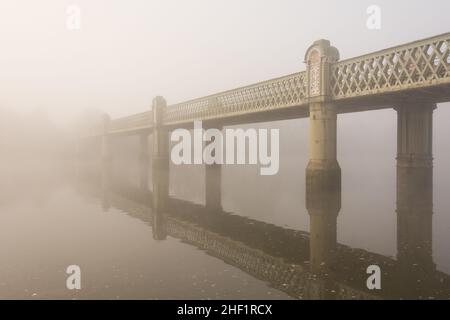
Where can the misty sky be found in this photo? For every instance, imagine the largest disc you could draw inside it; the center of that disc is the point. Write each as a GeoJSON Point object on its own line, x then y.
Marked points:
{"type": "Point", "coordinates": [126, 52]}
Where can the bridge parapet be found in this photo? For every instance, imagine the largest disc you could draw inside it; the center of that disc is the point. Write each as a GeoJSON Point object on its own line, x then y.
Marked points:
{"type": "Point", "coordinates": [287, 91]}
{"type": "Point", "coordinates": [420, 69]}
{"type": "Point", "coordinates": [418, 64]}
{"type": "Point", "coordinates": [134, 122]}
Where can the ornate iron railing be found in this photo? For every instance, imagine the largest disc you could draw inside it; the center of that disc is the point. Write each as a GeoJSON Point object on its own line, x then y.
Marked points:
{"type": "Point", "coordinates": [273, 94]}
{"type": "Point", "coordinates": [418, 64]}
{"type": "Point", "coordinates": [135, 122]}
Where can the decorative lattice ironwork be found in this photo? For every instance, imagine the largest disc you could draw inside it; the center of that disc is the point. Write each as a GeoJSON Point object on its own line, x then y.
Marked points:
{"type": "Point", "coordinates": [419, 64]}
{"type": "Point", "coordinates": [134, 122]}
{"type": "Point", "coordinates": [273, 94]}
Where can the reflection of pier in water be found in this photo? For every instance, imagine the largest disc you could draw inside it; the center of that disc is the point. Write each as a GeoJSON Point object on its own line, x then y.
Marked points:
{"type": "Point", "coordinates": [280, 256]}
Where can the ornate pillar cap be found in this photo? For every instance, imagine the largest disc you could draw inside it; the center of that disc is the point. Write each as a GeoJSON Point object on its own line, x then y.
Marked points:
{"type": "Point", "coordinates": [158, 106]}
{"type": "Point", "coordinates": [319, 58]}
{"type": "Point", "coordinates": [321, 48]}
{"type": "Point", "coordinates": [158, 101]}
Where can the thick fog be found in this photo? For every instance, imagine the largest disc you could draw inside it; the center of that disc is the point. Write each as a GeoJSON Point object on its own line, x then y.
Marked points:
{"type": "Point", "coordinates": [55, 83]}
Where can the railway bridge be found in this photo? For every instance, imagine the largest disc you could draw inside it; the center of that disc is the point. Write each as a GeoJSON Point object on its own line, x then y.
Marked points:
{"type": "Point", "coordinates": [411, 78]}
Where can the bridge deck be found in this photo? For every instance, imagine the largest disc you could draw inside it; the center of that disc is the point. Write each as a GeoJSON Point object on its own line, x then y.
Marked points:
{"type": "Point", "coordinates": [418, 70]}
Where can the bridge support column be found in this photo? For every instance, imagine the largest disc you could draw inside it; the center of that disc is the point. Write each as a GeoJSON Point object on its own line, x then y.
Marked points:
{"type": "Point", "coordinates": [160, 167]}
{"type": "Point", "coordinates": [106, 185]}
{"type": "Point", "coordinates": [415, 187]}
{"type": "Point", "coordinates": [323, 174]}
{"type": "Point", "coordinates": [106, 164]}
{"type": "Point", "coordinates": [213, 182]}
{"type": "Point", "coordinates": [143, 161]}
{"type": "Point", "coordinates": [159, 229]}
{"type": "Point", "coordinates": [323, 202]}
{"type": "Point", "coordinates": [106, 140]}
{"type": "Point", "coordinates": [323, 185]}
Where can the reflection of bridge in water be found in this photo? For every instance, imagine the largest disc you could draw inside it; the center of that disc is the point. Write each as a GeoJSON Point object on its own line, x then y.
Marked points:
{"type": "Point", "coordinates": [280, 256]}
{"type": "Point", "coordinates": [411, 78]}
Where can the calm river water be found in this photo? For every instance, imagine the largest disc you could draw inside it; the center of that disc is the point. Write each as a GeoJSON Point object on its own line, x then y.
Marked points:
{"type": "Point", "coordinates": [257, 247]}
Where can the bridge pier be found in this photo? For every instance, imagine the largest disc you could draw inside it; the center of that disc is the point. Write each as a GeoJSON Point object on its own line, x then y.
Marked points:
{"type": "Point", "coordinates": [323, 202]}
{"type": "Point", "coordinates": [323, 174]}
{"type": "Point", "coordinates": [323, 186]}
{"type": "Point", "coordinates": [159, 230]}
{"type": "Point", "coordinates": [322, 140]}
{"type": "Point", "coordinates": [106, 139]}
{"type": "Point", "coordinates": [106, 185]}
{"type": "Point", "coordinates": [213, 182]}
{"type": "Point", "coordinates": [160, 165]}
{"type": "Point", "coordinates": [213, 187]}
{"type": "Point", "coordinates": [106, 164]}
{"type": "Point", "coordinates": [143, 161]}
{"type": "Point", "coordinates": [415, 187]}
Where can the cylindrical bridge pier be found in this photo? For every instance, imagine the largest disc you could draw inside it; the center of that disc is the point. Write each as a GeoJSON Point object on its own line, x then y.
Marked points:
{"type": "Point", "coordinates": [415, 186]}
{"type": "Point", "coordinates": [323, 174]}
